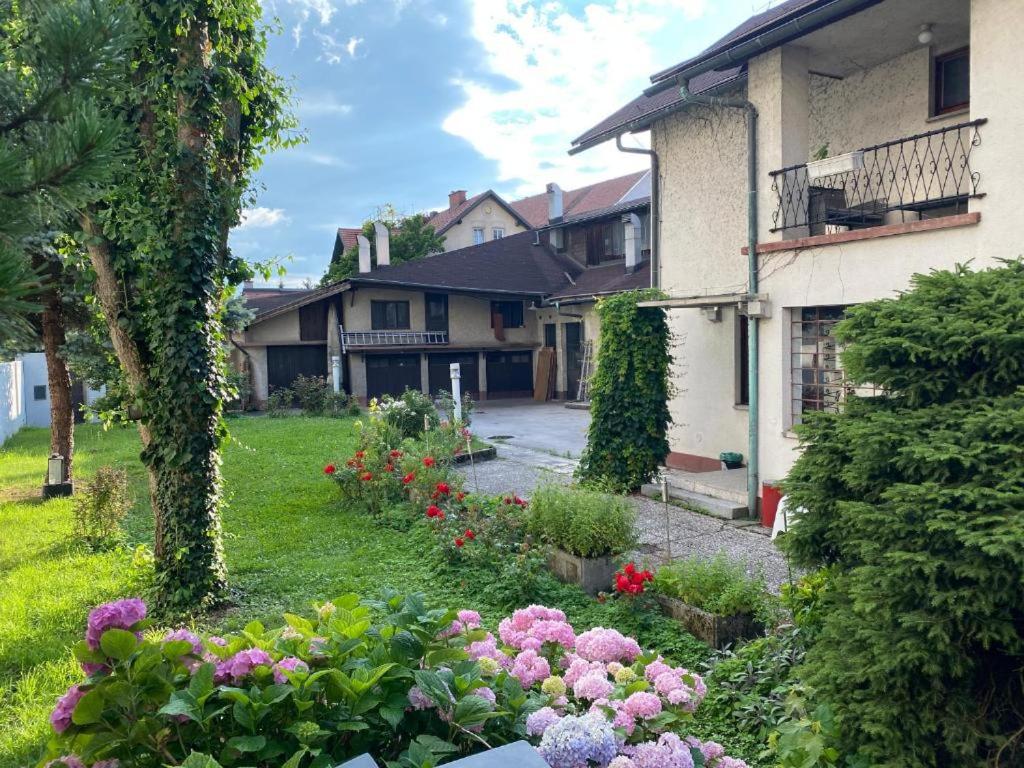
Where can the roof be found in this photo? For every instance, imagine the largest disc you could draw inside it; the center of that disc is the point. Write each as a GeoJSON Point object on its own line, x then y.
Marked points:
{"type": "Point", "coordinates": [264, 300]}
{"type": "Point", "coordinates": [599, 281]}
{"type": "Point", "coordinates": [512, 264]}
{"type": "Point", "coordinates": [578, 201]}
{"type": "Point", "coordinates": [446, 219]}
{"type": "Point", "coordinates": [346, 238]}
{"type": "Point", "coordinates": [624, 207]}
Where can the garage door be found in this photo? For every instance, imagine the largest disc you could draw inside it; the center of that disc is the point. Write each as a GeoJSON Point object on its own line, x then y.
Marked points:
{"type": "Point", "coordinates": [391, 374]}
{"type": "Point", "coordinates": [286, 362]}
{"type": "Point", "coordinates": [439, 367]}
{"type": "Point", "coordinates": [509, 374]}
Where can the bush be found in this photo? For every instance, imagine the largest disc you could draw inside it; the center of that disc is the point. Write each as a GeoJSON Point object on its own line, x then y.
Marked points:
{"type": "Point", "coordinates": [629, 394]}
{"type": "Point", "coordinates": [583, 522]}
{"type": "Point", "coordinates": [411, 686]}
{"type": "Point", "coordinates": [411, 413]}
{"type": "Point", "coordinates": [279, 402]}
{"type": "Point", "coordinates": [101, 506]}
{"type": "Point", "coordinates": [447, 403]}
{"type": "Point", "coordinates": [914, 498]}
{"type": "Point", "coordinates": [720, 586]}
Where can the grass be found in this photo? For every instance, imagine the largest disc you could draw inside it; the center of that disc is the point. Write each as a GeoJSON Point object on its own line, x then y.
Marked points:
{"type": "Point", "coordinates": [288, 542]}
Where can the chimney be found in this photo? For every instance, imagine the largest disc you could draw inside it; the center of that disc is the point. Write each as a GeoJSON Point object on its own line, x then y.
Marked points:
{"type": "Point", "coordinates": [634, 242]}
{"type": "Point", "coordinates": [555, 209]}
{"type": "Point", "coordinates": [364, 254]}
{"type": "Point", "coordinates": [383, 244]}
{"type": "Point", "coordinates": [456, 198]}
{"type": "Point", "coordinates": [247, 285]}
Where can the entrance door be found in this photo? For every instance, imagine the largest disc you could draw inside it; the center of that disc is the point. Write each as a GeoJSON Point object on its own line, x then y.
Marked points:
{"type": "Point", "coordinates": [287, 362]}
{"type": "Point", "coordinates": [439, 370]}
{"type": "Point", "coordinates": [509, 374]}
{"type": "Point", "coordinates": [550, 335]}
{"type": "Point", "coordinates": [391, 374]}
{"type": "Point", "coordinates": [573, 358]}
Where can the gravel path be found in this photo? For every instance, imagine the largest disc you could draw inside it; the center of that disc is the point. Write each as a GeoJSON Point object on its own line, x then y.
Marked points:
{"type": "Point", "coordinates": [684, 534]}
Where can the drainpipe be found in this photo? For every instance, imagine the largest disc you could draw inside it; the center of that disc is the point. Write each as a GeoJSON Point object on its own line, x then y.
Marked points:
{"type": "Point", "coordinates": [655, 264]}
{"type": "Point", "coordinates": [752, 322]}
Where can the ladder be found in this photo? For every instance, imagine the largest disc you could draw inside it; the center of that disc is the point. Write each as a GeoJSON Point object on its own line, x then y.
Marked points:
{"type": "Point", "coordinates": [586, 371]}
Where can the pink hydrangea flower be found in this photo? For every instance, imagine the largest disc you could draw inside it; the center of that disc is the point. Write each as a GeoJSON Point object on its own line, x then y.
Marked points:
{"type": "Point", "coordinates": [529, 668]}
{"type": "Point", "coordinates": [656, 668]}
{"type": "Point", "coordinates": [60, 718]}
{"type": "Point", "coordinates": [189, 637]}
{"type": "Point", "coordinates": [621, 762]}
{"type": "Point", "coordinates": [531, 644]}
{"type": "Point", "coordinates": [289, 664]}
{"type": "Point", "coordinates": [664, 753]}
{"type": "Point", "coordinates": [643, 705]}
{"type": "Point", "coordinates": [622, 718]}
{"type": "Point", "coordinates": [237, 667]}
{"type": "Point", "coordinates": [593, 685]}
{"type": "Point", "coordinates": [606, 645]}
{"type": "Point", "coordinates": [544, 624]}
{"type": "Point", "coordinates": [68, 761]}
{"type": "Point", "coordinates": [539, 721]}
{"type": "Point", "coordinates": [120, 614]}
{"type": "Point", "coordinates": [418, 699]}
{"type": "Point", "coordinates": [578, 667]}
{"type": "Point", "coordinates": [486, 694]}
{"type": "Point", "coordinates": [469, 619]}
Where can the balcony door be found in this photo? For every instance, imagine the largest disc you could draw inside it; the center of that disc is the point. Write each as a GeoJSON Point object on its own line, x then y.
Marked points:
{"type": "Point", "coordinates": [436, 306]}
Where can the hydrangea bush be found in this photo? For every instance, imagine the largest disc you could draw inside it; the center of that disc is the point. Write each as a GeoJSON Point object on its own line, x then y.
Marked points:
{"type": "Point", "coordinates": [414, 687]}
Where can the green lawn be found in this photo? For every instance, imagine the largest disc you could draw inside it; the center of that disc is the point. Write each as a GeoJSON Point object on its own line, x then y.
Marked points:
{"type": "Point", "coordinates": [288, 541]}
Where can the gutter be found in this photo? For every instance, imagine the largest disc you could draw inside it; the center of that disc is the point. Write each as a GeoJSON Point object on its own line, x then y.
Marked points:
{"type": "Point", "coordinates": [655, 219]}
{"type": "Point", "coordinates": [753, 340]}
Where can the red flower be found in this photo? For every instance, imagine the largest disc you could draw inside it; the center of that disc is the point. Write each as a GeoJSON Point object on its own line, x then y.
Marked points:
{"type": "Point", "coordinates": [395, 454]}
{"type": "Point", "coordinates": [360, 454]}
{"type": "Point", "coordinates": [350, 463]}
{"type": "Point", "coordinates": [508, 499]}
{"type": "Point", "coordinates": [630, 581]}
{"type": "Point", "coordinates": [408, 478]}
{"type": "Point", "coordinates": [428, 461]}
{"type": "Point", "coordinates": [460, 496]}
{"type": "Point", "coordinates": [440, 516]}
{"type": "Point", "coordinates": [389, 467]}
{"type": "Point", "coordinates": [329, 469]}
{"type": "Point", "coordinates": [443, 489]}
{"type": "Point", "coordinates": [459, 541]}
{"type": "Point", "coordinates": [520, 502]}
{"type": "Point", "coordinates": [469, 534]}
{"type": "Point", "coordinates": [434, 511]}
{"type": "Point", "coordinates": [629, 570]}
{"type": "Point", "coordinates": [366, 476]}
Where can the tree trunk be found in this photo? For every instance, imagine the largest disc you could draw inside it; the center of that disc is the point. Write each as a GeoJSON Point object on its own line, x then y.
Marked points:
{"type": "Point", "coordinates": [62, 415]}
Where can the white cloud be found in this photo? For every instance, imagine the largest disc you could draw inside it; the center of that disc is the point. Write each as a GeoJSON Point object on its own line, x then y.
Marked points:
{"type": "Point", "coordinates": [321, 104]}
{"type": "Point", "coordinates": [353, 43]}
{"type": "Point", "coordinates": [568, 72]}
{"type": "Point", "coordinates": [261, 218]}
{"type": "Point", "coordinates": [332, 50]}
{"type": "Point", "coordinates": [325, 159]}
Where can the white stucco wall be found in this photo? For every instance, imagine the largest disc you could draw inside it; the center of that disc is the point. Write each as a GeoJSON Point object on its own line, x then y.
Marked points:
{"type": "Point", "coordinates": [488, 214]}
{"type": "Point", "coordinates": [12, 403]}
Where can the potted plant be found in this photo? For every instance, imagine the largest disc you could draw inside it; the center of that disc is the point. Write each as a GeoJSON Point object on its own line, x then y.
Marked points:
{"type": "Point", "coordinates": [714, 600]}
{"type": "Point", "coordinates": [586, 530]}
{"type": "Point", "coordinates": [821, 165]}
{"type": "Point", "coordinates": [731, 459]}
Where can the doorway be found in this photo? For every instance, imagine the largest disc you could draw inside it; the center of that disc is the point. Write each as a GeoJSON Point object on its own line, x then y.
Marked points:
{"type": "Point", "coordinates": [573, 358]}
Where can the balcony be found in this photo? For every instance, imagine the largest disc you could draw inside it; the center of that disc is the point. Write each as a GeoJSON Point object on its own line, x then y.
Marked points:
{"type": "Point", "coordinates": [355, 339]}
{"type": "Point", "coordinates": [920, 177]}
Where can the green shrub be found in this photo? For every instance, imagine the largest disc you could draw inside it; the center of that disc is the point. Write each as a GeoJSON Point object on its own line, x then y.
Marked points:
{"type": "Point", "coordinates": [447, 403]}
{"type": "Point", "coordinates": [914, 498]}
{"type": "Point", "coordinates": [585, 522]}
{"type": "Point", "coordinates": [279, 402]}
{"type": "Point", "coordinates": [411, 414]}
{"type": "Point", "coordinates": [101, 506]}
{"type": "Point", "coordinates": [629, 394]}
{"type": "Point", "coordinates": [720, 585]}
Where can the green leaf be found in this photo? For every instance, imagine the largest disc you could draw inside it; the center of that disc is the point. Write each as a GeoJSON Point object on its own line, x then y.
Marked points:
{"type": "Point", "coordinates": [118, 643]}
{"type": "Point", "coordinates": [472, 710]}
{"type": "Point", "coordinates": [445, 655]}
{"type": "Point", "coordinates": [181, 703]}
{"type": "Point", "coordinates": [294, 760]}
{"type": "Point", "coordinates": [351, 725]}
{"type": "Point", "coordinates": [199, 760]}
{"type": "Point", "coordinates": [89, 708]}
{"type": "Point", "coordinates": [201, 684]}
{"type": "Point", "coordinates": [392, 715]}
{"type": "Point", "coordinates": [175, 649]}
{"type": "Point", "coordinates": [247, 743]}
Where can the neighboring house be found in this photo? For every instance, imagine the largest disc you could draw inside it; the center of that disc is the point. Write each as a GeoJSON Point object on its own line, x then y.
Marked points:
{"type": "Point", "coordinates": [475, 220]}
{"type": "Point", "coordinates": [25, 394]}
{"type": "Point", "coordinates": [924, 97]}
{"type": "Point", "coordinates": [489, 307]}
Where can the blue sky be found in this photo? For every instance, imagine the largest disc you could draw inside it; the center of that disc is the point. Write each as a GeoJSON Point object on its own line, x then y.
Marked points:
{"type": "Point", "coordinates": [404, 100]}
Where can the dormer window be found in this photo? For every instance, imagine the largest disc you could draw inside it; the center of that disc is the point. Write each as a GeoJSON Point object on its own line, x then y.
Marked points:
{"type": "Point", "coordinates": [478, 235]}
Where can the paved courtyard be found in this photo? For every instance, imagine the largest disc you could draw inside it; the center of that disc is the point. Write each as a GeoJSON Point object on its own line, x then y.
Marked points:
{"type": "Point", "coordinates": [542, 442]}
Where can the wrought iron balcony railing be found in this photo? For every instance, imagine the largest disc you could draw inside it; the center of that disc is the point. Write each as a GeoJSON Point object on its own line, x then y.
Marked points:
{"type": "Point", "coordinates": [923, 176]}
{"type": "Point", "coordinates": [391, 338]}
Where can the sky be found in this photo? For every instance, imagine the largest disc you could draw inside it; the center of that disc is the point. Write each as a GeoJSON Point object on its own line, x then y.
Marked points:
{"type": "Point", "coordinates": [402, 101]}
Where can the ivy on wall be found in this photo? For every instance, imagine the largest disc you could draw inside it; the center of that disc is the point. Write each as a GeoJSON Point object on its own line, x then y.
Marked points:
{"type": "Point", "coordinates": [629, 394]}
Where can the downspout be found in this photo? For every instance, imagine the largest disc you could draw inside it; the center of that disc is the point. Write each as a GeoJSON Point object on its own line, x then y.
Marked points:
{"type": "Point", "coordinates": [752, 282]}
{"type": "Point", "coordinates": [655, 264]}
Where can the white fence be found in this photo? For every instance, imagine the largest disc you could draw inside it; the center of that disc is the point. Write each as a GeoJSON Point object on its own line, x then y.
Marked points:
{"type": "Point", "coordinates": [12, 398]}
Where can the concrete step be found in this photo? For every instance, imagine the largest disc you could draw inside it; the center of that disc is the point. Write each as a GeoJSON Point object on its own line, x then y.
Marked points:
{"type": "Point", "coordinates": [727, 509]}
{"type": "Point", "coordinates": [719, 485]}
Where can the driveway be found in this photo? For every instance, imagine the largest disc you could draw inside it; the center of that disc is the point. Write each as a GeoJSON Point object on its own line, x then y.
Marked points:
{"type": "Point", "coordinates": [548, 428]}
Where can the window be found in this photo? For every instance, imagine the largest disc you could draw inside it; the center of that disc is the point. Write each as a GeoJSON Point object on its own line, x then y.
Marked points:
{"type": "Point", "coordinates": [817, 380]}
{"type": "Point", "coordinates": [478, 235]}
{"type": "Point", "coordinates": [313, 322]}
{"type": "Point", "coordinates": [511, 313]}
{"type": "Point", "coordinates": [39, 392]}
{"type": "Point", "coordinates": [389, 315]}
{"type": "Point", "coordinates": [497, 233]}
{"type": "Point", "coordinates": [951, 79]}
{"type": "Point", "coordinates": [437, 311]}
{"type": "Point", "coordinates": [742, 360]}
{"type": "Point", "coordinates": [614, 235]}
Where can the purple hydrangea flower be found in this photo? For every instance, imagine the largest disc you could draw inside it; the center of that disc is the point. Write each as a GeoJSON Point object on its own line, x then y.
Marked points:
{"type": "Point", "coordinates": [60, 718]}
{"type": "Point", "coordinates": [486, 694]}
{"type": "Point", "coordinates": [593, 685]}
{"type": "Point", "coordinates": [237, 667]}
{"type": "Point", "coordinates": [121, 614]}
{"type": "Point", "coordinates": [291, 664]}
{"type": "Point", "coordinates": [605, 645]}
{"type": "Point", "coordinates": [579, 742]}
{"type": "Point", "coordinates": [68, 761]}
{"type": "Point", "coordinates": [643, 705]}
{"type": "Point", "coordinates": [539, 721]}
{"type": "Point", "coordinates": [530, 668]}
{"type": "Point", "coordinates": [419, 699]}
{"type": "Point", "coordinates": [187, 636]}
{"type": "Point", "coordinates": [111, 763]}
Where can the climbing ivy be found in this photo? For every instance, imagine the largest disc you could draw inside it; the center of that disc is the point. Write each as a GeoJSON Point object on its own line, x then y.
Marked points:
{"type": "Point", "coordinates": [629, 394]}
{"type": "Point", "coordinates": [201, 109]}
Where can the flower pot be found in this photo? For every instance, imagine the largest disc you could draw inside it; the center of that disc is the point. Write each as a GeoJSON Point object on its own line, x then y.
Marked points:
{"type": "Point", "coordinates": [830, 166]}
{"type": "Point", "coordinates": [717, 631]}
{"type": "Point", "coordinates": [593, 574]}
{"type": "Point", "coordinates": [731, 459]}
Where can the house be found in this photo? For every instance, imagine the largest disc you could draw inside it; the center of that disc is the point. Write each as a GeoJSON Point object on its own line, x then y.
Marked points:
{"type": "Point", "coordinates": [475, 220]}
{"type": "Point", "coordinates": [489, 307]}
{"type": "Point", "coordinates": [884, 140]}
{"type": "Point", "coordinates": [25, 394]}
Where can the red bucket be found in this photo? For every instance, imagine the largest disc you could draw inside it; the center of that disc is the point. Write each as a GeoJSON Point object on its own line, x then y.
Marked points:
{"type": "Point", "coordinates": [770, 498]}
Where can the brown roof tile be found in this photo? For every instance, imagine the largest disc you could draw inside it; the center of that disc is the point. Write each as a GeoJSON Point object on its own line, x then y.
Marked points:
{"type": "Point", "coordinates": [599, 281]}
{"type": "Point", "coordinates": [575, 202]}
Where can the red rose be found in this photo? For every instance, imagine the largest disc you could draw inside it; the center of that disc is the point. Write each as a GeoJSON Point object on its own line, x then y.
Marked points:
{"type": "Point", "coordinates": [508, 499]}
{"type": "Point", "coordinates": [366, 476]}
{"type": "Point", "coordinates": [428, 461]}
{"type": "Point", "coordinates": [520, 502]}
{"type": "Point", "coordinates": [459, 541]}
{"type": "Point", "coordinates": [443, 488]}
{"type": "Point", "coordinates": [646, 576]}
{"type": "Point", "coordinates": [621, 583]}
{"type": "Point", "coordinates": [440, 516]}
{"type": "Point", "coordinates": [630, 569]}
{"type": "Point", "coordinates": [329, 469]}
{"type": "Point", "coordinates": [469, 534]}
{"type": "Point", "coordinates": [350, 463]}
{"type": "Point", "coordinates": [408, 478]}
{"type": "Point", "coordinates": [395, 454]}
{"type": "Point", "coordinates": [434, 511]}
{"type": "Point", "coordinates": [389, 467]}
{"type": "Point", "coordinates": [360, 454]}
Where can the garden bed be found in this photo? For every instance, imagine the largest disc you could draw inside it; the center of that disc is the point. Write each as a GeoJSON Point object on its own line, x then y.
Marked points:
{"type": "Point", "coordinates": [591, 574]}
{"type": "Point", "coordinates": [481, 453]}
{"type": "Point", "coordinates": [717, 631]}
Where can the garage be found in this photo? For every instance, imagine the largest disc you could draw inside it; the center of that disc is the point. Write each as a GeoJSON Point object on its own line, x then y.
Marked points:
{"type": "Point", "coordinates": [391, 374]}
{"type": "Point", "coordinates": [439, 367]}
{"type": "Point", "coordinates": [509, 374]}
{"type": "Point", "coordinates": [287, 362]}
